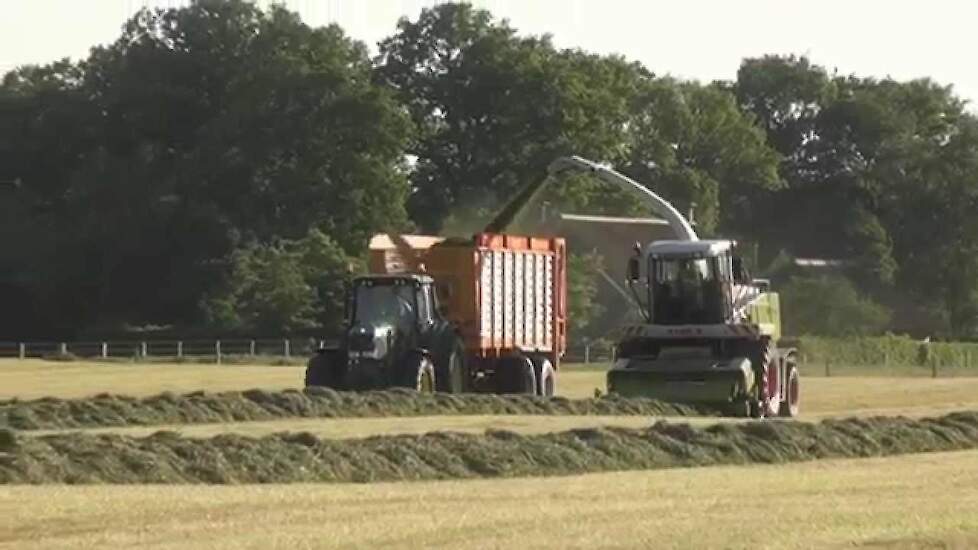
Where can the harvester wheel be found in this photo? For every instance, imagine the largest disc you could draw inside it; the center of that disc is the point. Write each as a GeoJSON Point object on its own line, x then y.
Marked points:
{"type": "Point", "coordinates": [791, 403]}
{"type": "Point", "coordinates": [546, 377]}
{"type": "Point", "coordinates": [740, 408]}
{"type": "Point", "coordinates": [766, 370]}
{"type": "Point", "coordinates": [515, 375]}
{"type": "Point", "coordinates": [323, 370]}
{"type": "Point", "coordinates": [451, 371]}
{"type": "Point", "coordinates": [419, 374]}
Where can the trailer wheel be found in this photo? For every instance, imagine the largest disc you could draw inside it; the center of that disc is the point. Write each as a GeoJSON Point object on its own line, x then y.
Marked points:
{"type": "Point", "coordinates": [419, 374]}
{"type": "Point", "coordinates": [323, 369]}
{"type": "Point", "coordinates": [546, 377]}
{"type": "Point", "coordinates": [451, 372]}
{"type": "Point", "coordinates": [791, 403]}
{"type": "Point", "coordinates": [515, 375]}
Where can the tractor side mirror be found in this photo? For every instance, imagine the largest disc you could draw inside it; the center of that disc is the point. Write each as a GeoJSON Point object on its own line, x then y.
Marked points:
{"type": "Point", "coordinates": [633, 269]}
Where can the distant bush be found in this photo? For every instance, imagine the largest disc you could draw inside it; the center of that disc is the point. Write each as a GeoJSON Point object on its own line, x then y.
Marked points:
{"type": "Point", "coordinates": [829, 306]}
{"type": "Point", "coordinates": [889, 349]}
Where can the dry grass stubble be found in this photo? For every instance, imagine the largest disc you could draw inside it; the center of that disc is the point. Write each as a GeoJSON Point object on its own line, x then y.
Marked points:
{"type": "Point", "coordinates": [916, 501]}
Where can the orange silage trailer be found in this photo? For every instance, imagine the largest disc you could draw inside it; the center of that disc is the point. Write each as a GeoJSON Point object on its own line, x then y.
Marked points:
{"type": "Point", "coordinates": [506, 294]}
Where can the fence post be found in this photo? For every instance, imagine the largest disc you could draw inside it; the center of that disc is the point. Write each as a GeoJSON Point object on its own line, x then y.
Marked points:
{"type": "Point", "coordinates": [287, 350]}
{"type": "Point", "coordinates": [22, 350]}
{"type": "Point", "coordinates": [886, 359]}
{"type": "Point", "coordinates": [105, 350]}
{"type": "Point", "coordinates": [587, 353]}
{"type": "Point", "coordinates": [251, 348]}
{"type": "Point", "coordinates": [63, 350]}
{"type": "Point", "coordinates": [217, 351]}
{"type": "Point", "coordinates": [933, 367]}
{"type": "Point", "coordinates": [180, 349]}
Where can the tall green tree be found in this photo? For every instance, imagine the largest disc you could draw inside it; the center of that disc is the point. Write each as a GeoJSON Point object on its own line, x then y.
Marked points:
{"type": "Point", "coordinates": [493, 108]}
{"type": "Point", "coordinates": [200, 130]}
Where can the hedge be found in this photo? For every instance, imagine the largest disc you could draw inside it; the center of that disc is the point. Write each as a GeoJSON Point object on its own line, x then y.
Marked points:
{"type": "Point", "coordinates": [885, 350]}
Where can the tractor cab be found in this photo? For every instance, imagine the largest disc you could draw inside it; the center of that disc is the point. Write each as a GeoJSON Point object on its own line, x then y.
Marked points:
{"type": "Point", "coordinates": [402, 301]}
{"type": "Point", "coordinates": [389, 315]}
{"type": "Point", "coordinates": [689, 282]}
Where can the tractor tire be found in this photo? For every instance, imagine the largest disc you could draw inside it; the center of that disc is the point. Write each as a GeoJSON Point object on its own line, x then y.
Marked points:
{"type": "Point", "coordinates": [546, 377]}
{"type": "Point", "coordinates": [418, 373]}
{"type": "Point", "coordinates": [516, 375]}
{"type": "Point", "coordinates": [450, 370]}
{"type": "Point", "coordinates": [791, 403]}
{"type": "Point", "coordinates": [324, 369]}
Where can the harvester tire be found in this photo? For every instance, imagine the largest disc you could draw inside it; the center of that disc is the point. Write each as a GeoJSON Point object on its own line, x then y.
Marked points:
{"type": "Point", "coordinates": [323, 370]}
{"type": "Point", "coordinates": [419, 374]}
{"type": "Point", "coordinates": [546, 377]}
{"type": "Point", "coordinates": [791, 401]}
{"type": "Point", "coordinates": [740, 408]}
{"type": "Point", "coordinates": [767, 398]}
{"type": "Point", "coordinates": [516, 375]}
{"type": "Point", "coordinates": [450, 371]}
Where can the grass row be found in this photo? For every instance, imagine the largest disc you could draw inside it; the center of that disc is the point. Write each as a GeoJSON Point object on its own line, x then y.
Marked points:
{"type": "Point", "coordinates": [107, 410]}
{"type": "Point", "coordinates": [165, 457]}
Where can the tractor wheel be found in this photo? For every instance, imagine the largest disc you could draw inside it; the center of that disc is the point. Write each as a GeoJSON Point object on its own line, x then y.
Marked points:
{"type": "Point", "coordinates": [515, 375]}
{"type": "Point", "coordinates": [451, 372]}
{"type": "Point", "coordinates": [419, 374]}
{"type": "Point", "coordinates": [546, 377]}
{"type": "Point", "coordinates": [323, 370]}
{"type": "Point", "coordinates": [791, 403]}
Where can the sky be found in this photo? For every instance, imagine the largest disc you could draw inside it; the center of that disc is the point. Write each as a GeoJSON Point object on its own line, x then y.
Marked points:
{"type": "Point", "coordinates": [694, 39]}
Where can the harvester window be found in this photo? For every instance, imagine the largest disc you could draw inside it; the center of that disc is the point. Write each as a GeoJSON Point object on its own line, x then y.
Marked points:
{"type": "Point", "coordinates": [685, 291]}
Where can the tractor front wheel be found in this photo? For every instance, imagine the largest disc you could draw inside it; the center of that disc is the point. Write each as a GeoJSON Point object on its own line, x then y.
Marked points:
{"type": "Point", "coordinates": [323, 369]}
{"type": "Point", "coordinates": [419, 374]}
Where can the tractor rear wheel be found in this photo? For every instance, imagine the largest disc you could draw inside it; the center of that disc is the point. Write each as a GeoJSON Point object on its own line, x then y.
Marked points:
{"type": "Point", "coordinates": [451, 373]}
{"type": "Point", "coordinates": [515, 375]}
{"type": "Point", "coordinates": [791, 401]}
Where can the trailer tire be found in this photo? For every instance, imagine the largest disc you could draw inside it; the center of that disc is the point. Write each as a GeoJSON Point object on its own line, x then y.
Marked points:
{"type": "Point", "coordinates": [324, 369]}
{"type": "Point", "coordinates": [546, 377]}
{"type": "Point", "coordinates": [791, 401]}
{"type": "Point", "coordinates": [418, 373]}
{"type": "Point", "coordinates": [516, 375]}
{"type": "Point", "coordinates": [451, 371]}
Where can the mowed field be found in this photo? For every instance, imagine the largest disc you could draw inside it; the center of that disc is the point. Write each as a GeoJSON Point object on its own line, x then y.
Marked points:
{"type": "Point", "coordinates": [850, 394]}
{"type": "Point", "coordinates": [911, 501]}
{"type": "Point", "coordinates": [914, 501]}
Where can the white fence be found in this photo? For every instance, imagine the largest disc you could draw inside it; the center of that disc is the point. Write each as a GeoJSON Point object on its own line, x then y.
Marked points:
{"type": "Point", "coordinates": [215, 350]}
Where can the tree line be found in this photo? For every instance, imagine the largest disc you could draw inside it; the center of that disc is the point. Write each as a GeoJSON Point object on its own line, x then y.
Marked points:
{"type": "Point", "coordinates": [223, 167]}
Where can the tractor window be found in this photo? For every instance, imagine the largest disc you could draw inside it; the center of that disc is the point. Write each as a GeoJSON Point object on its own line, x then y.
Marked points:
{"type": "Point", "coordinates": [385, 304]}
{"type": "Point", "coordinates": [424, 304]}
